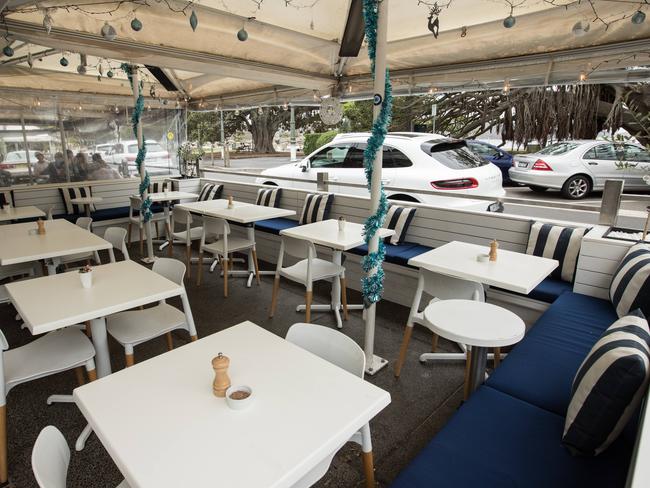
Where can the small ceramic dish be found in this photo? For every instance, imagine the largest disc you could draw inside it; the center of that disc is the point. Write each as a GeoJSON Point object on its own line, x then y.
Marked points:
{"type": "Point", "coordinates": [483, 258]}
{"type": "Point", "coordinates": [239, 397]}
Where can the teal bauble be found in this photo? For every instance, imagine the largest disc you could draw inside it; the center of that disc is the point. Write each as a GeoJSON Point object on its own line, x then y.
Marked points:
{"type": "Point", "coordinates": [509, 22]}
{"type": "Point", "coordinates": [63, 61]}
{"type": "Point", "coordinates": [194, 20]}
{"type": "Point", "coordinates": [8, 51]}
{"type": "Point", "coordinates": [638, 17]}
{"type": "Point", "coordinates": [109, 74]}
{"type": "Point", "coordinates": [136, 25]}
{"type": "Point", "coordinates": [242, 35]}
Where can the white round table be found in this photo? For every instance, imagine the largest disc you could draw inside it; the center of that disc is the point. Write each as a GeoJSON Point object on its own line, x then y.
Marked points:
{"type": "Point", "coordinates": [477, 324]}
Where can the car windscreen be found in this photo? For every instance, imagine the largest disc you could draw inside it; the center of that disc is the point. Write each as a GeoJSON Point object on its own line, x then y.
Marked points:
{"type": "Point", "coordinates": [151, 147]}
{"type": "Point", "coordinates": [452, 153]}
{"type": "Point", "coordinates": [558, 148]}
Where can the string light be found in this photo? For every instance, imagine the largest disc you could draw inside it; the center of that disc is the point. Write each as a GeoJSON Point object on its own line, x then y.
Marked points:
{"type": "Point", "coordinates": [108, 32]}
{"type": "Point", "coordinates": [582, 77]}
{"type": "Point", "coordinates": [506, 87]}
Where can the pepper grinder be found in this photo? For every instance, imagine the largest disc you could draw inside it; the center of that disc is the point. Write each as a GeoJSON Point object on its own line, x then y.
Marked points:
{"type": "Point", "coordinates": [41, 226]}
{"type": "Point", "coordinates": [494, 245]}
{"type": "Point", "coordinates": [221, 380]}
{"type": "Point", "coordinates": [230, 205]}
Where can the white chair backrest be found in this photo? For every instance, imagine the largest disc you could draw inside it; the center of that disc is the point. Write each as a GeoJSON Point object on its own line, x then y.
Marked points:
{"type": "Point", "coordinates": [330, 345]}
{"type": "Point", "coordinates": [172, 269]}
{"type": "Point", "coordinates": [84, 222]}
{"type": "Point", "coordinates": [135, 203]}
{"type": "Point", "coordinates": [181, 216]}
{"type": "Point", "coordinates": [447, 288]}
{"type": "Point", "coordinates": [298, 248]}
{"type": "Point", "coordinates": [117, 237]}
{"type": "Point", "coordinates": [215, 226]}
{"type": "Point", "coordinates": [50, 215]}
{"type": "Point", "coordinates": [50, 458]}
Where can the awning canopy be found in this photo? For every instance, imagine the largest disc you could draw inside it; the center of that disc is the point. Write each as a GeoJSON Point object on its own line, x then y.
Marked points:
{"type": "Point", "coordinates": [291, 54]}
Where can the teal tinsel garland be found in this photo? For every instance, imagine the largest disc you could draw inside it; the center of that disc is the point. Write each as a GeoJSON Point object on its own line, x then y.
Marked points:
{"type": "Point", "coordinates": [142, 152]}
{"type": "Point", "coordinates": [373, 286]}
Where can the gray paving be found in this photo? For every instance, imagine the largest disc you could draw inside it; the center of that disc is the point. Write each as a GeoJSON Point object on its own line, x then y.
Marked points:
{"type": "Point", "coordinates": [423, 398]}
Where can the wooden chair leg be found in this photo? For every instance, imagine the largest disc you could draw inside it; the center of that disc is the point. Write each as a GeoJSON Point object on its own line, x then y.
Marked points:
{"type": "Point", "coordinates": [3, 444]}
{"type": "Point", "coordinates": [129, 227]}
{"type": "Point", "coordinates": [434, 343]}
{"type": "Point", "coordinates": [224, 266]}
{"type": "Point", "coordinates": [468, 364]}
{"type": "Point", "coordinates": [130, 361]}
{"type": "Point", "coordinates": [402, 350]}
{"type": "Point", "coordinates": [308, 297]}
{"type": "Point", "coordinates": [170, 239]}
{"type": "Point", "coordinates": [87, 329]}
{"type": "Point", "coordinates": [141, 240]}
{"type": "Point", "coordinates": [193, 338]}
{"type": "Point", "coordinates": [200, 271]}
{"type": "Point", "coordinates": [497, 357]}
{"type": "Point", "coordinates": [92, 374]}
{"type": "Point", "coordinates": [170, 341]}
{"type": "Point", "coordinates": [274, 296]}
{"type": "Point", "coordinates": [369, 468]}
{"type": "Point", "coordinates": [344, 298]}
{"type": "Point", "coordinates": [257, 266]}
{"type": "Point", "coordinates": [188, 258]}
{"type": "Point", "coordinates": [81, 379]}
{"type": "Point", "coordinates": [157, 229]}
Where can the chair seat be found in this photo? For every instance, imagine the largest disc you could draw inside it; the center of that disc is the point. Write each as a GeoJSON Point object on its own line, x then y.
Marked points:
{"type": "Point", "coordinates": [547, 291]}
{"type": "Point", "coordinates": [60, 350]}
{"type": "Point", "coordinates": [321, 270]}
{"type": "Point", "coordinates": [10, 270]}
{"type": "Point", "coordinates": [396, 253]}
{"type": "Point", "coordinates": [136, 326]}
{"type": "Point", "coordinates": [195, 234]}
{"type": "Point", "coordinates": [234, 244]}
{"type": "Point", "coordinates": [110, 213]}
{"type": "Point", "coordinates": [155, 217]}
{"type": "Point", "coordinates": [274, 226]}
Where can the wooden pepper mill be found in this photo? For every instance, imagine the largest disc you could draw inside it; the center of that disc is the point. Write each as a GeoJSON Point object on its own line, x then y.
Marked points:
{"type": "Point", "coordinates": [221, 380]}
{"type": "Point", "coordinates": [494, 245]}
{"type": "Point", "coordinates": [230, 202]}
{"type": "Point", "coordinates": [41, 226]}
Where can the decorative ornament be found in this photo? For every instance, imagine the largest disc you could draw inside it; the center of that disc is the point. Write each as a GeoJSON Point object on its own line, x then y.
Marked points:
{"type": "Point", "coordinates": [64, 61]}
{"type": "Point", "coordinates": [109, 73]}
{"type": "Point", "coordinates": [638, 17]}
{"type": "Point", "coordinates": [463, 31]}
{"type": "Point", "coordinates": [136, 25]}
{"type": "Point", "coordinates": [81, 69]}
{"type": "Point", "coordinates": [194, 20]}
{"type": "Point", "coordinates": [580, 28]}
{"type": "Point", "coordinates": [47, 22]}
{"type": "Point", "coordinates": [331, 112]}
{"type": "Point", "coordinates": [434, 24]}
{"type": "Point", "coordinates": [8, 51]}
{"type": "Point", "coordinates": [30, 61]}
{"type": "Point", "coordinates": [108, 32]}
{"type": "Point", "coordinates": [509, 21]}
{"type": "Point", "coordinates": [242, 35]}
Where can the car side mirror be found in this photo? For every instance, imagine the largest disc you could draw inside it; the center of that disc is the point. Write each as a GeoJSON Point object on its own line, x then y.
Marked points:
{"type": "Point", "coordinates": [304, 165]}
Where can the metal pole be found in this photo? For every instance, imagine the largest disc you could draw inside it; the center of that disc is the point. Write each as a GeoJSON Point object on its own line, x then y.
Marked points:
{"type": "Point", "coordinates": [64, 149]}
{"type": "Point", "coordinates": [29, 163]}
{"type": "Point", "coordinates": [375, 363]}
{"type": "Point", "coordinates": [434, 112]}
{"type": "Point", "coordinates": [222, 138]}
{"type": "Point", "coordinates": [292, 134]}
{"type": "Point", "coordinates": [136, 90]}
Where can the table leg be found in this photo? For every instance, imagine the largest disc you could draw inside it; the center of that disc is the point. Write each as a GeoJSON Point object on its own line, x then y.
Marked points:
{"type": "Point", "coordinates": [478, 364]}
{"type": "Point", "coordinates": [336, 289]}
{"type": "Point", "coordinates": [100, 341]}
{"type": "Point", "coordinates": [188, 316]}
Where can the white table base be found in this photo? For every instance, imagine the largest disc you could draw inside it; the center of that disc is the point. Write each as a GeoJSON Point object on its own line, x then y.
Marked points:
{"type": "Point", "coordinates": [377, 364]}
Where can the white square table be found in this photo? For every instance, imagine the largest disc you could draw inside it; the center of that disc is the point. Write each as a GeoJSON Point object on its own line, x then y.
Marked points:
{"type": "Point", "coordinates": [326, 233]}
{"type": "Point", "coordinates": [164, 428]}
{"type": "Point", "coordinates": [21, 243]}
{"type": "Point", "coordinates": [57, 301]}
{"type": "Point", "coordinates": [241, 213]}
{"type": "Point", "coordinates": [17, 213]}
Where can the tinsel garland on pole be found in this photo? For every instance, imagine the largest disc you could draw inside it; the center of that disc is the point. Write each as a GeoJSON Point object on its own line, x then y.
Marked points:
{"type": "Point", "coordinates": [142, 148]}
{"type": "Point", "coordinates": [373, 283]}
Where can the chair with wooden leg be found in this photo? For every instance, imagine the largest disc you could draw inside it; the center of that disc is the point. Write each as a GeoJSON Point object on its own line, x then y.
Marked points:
{"type": "Point", "coordinates": [84, 223]}
{"type": "Point", "coordinates": [183, 218]}
{"type": "Point", "coordinates": [135, 327]}
{"type": "Point", "coordinates": [338, 349]}
{"type": "Point", "coordinates": [55, 352]}
{"type": "Point", "coordinates": [439, 287]}
{"type": "Point", "coordinates": [117, 237]}
{"type": "Point", "coordinates": [136, 217]}
{"type": "Point", "coordinates": [310, 268]}
{"type": "Point", "coordinates": [217, 240]}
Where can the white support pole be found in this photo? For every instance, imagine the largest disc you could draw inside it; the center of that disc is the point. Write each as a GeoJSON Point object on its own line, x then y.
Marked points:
{"type": "Point", "coordinates": [375, 363]}
{"type": "Point", "coordinates": [29, 163]}
{"type": "Point", "coordinates": [292, 134]}
{"type": "Point", "coordinates": [64, 149]}
{"type": "Point", "coordinates": [222, 138]}
{"type": "Point", "coordinates": [147, 226]}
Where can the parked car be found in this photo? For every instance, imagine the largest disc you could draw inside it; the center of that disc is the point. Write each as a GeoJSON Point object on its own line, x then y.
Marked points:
{"type": "Point", "coordinates": [103, 150]}
{"type": "Point", "coordinates": [157, 161]}
{"type": "Point", "coordinates": [500, 158]}
{"type": "Point", "coordinates": [410, 160]}
{"type": "Point", "coordinates": [576, 168]}
{"type": "Point", "coordinates": [14, 168]}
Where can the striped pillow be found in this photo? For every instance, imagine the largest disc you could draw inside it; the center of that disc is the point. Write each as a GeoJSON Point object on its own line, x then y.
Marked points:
{"type": "Point", "coordinates": [72, 192]}
{"type": "Point", "coordinates": [609, 386]}
{"type": "Point", "coordinates": [559, 243]}
{"type": "Point", "coordinates": [159, 187]}
{"type": "Point", "coordinates": [6, 198]}
{"type": "Point", "coordinates": [316, 207]}
{"type": "Point", "coordinates": [269, 197]}
{"type": "Point", "coordinates": [398, 219]}
{"type": "Point", "coordinates": [210, 191]}
{"type": "Point", "coordinates": [630, 288]}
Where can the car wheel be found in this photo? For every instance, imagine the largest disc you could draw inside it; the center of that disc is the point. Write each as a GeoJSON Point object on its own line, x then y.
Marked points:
{"type": "Point", "coordinates": [576, 187]}
{"type": "Point", "coordinates": [538, 189]}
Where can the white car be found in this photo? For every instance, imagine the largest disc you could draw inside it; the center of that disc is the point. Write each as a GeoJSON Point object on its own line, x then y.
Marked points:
{"type": "Point", "coordinates": [157, 160]}
{"type": "Point", "coordinates": [103, 150]}
{"type": "Point", "coordinates": [579, 167]}
{"type": "Point", "coordinates": [410, 160]}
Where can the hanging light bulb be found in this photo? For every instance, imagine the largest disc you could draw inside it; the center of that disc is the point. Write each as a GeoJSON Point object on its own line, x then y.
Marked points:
{"type": "Point", "coordinates": [506, 87]}
{"type": "Point", "coordinates": [285, 106]}
{"type": "Point", "coordinates": [63, 61]}
{"type": "Point", "coordinates": [194, 20]}
{"type": "Point", "coordinates": [108, 32]}
{"type": "Point", "coordinates": [80, 107]}
{"type": "Point", "coordinates": [260, 110]}
{"type": "Point", "coordinates": [136, 24]}
{"type": "Point", "coordinates": [638, 17]}
{"type": "Point", "coordinates": [580, 28]}
{"type": "Point", "coordinates": [38, 102]}
{"type": "Point", "coordinates": [582, 77]}
{"type": "Point", "coordinates": [242, 35]}
{"type": "Point", "coordinates": [117, 109]}
{"type": "Point", "coordinates": [237, 111]}
{"type": "Point", "coordinates": [47, 21]}
{"type": "Point", "coordinates": [110, 73]}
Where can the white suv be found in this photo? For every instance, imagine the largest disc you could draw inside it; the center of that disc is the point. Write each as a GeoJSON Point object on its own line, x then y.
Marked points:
{"type": "Point", "coordinates": [410, 160]}
{"type": "Point", "coordinates": [157, 160]}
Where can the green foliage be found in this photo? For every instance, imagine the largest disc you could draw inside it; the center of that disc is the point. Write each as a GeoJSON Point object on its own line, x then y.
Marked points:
{"type": "Point", "coordinates": [317, 139]}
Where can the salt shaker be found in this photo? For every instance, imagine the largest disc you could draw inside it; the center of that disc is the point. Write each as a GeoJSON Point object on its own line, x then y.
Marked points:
{"type": "Point", "coordinates": [41, 226]}
{"type": "Point", "coordinates": [221, 380]}
{"type": "Point", "coordinates": [230, 205]}
{"type": "Point", "coordinates": [494, 245]}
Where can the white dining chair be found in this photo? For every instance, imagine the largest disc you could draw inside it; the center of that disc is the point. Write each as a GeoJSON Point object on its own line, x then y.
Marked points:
{"type": "Point", "coordinates": [117, 237]}
{"type": "Point", "coordinates": [217, 240]}
{"type": "Point", "coordinates": [182, 218]}
{"type": "Point", "coordinates": [138, 326]}
{"type": "Point", "coordinates": [308, 269]}
{"type": "Point", "coordinates": [340, 350]}
{"type": "Point", "coordinates": [137, 218]}
{"type": "Point", "coordinates": [51, 459]}
{"type": "Point", "coordinates": [50, 213]}
{"type": "Point", "coordinates": [55, 352]}
{"type": "Point", "coordinates": [84, 223]}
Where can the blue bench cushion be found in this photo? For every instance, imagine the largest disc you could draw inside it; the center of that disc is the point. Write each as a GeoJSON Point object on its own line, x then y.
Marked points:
{"type": "Point", "coordinates": [274, 226]}
{"type": "Point", "coordinates": [498, 440]}
{"type": "Point", "coordinates": [396, 253]}
{"type": "Point", "coordinates": [541, 368]}
{"type": "Point", "coordinates": [110, 213]}
{"type": "Point", "coordinates": [547, 291]}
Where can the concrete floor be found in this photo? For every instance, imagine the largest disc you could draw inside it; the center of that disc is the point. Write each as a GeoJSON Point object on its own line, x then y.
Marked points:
{"type": "Point", "coordinates": [423, 398]}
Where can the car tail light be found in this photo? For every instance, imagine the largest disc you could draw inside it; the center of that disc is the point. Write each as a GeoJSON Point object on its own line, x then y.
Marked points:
{"type": "Point", "coordinates": [540, 165]}
{"type": "Point", "coordinates": [131, 158]}
{"type": "Point", "coordinates": [457, 184]}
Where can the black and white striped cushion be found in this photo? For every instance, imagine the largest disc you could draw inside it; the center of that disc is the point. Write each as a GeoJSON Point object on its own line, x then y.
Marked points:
{"type": "Point", "coordinates": [6, 198]}
{"type": "Point", "coordinates": [72, 192]}
{"type": "Point", "coordinates": [210, 191]}
{"type": "Point", "coordinates": [316, 207]}
{"type": "Point", "coordinates": [559, 243]}
{"type": "Point", "coordinates": [269, 197]}
{"type": "Point", "coordinates": [398, 219]}
{"type": "Point", "coordinates": [608, 386]}
{"type": "Point", "coordinates": [159, 187]}
{"type": "Point", "coordinates": [630, 288]}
